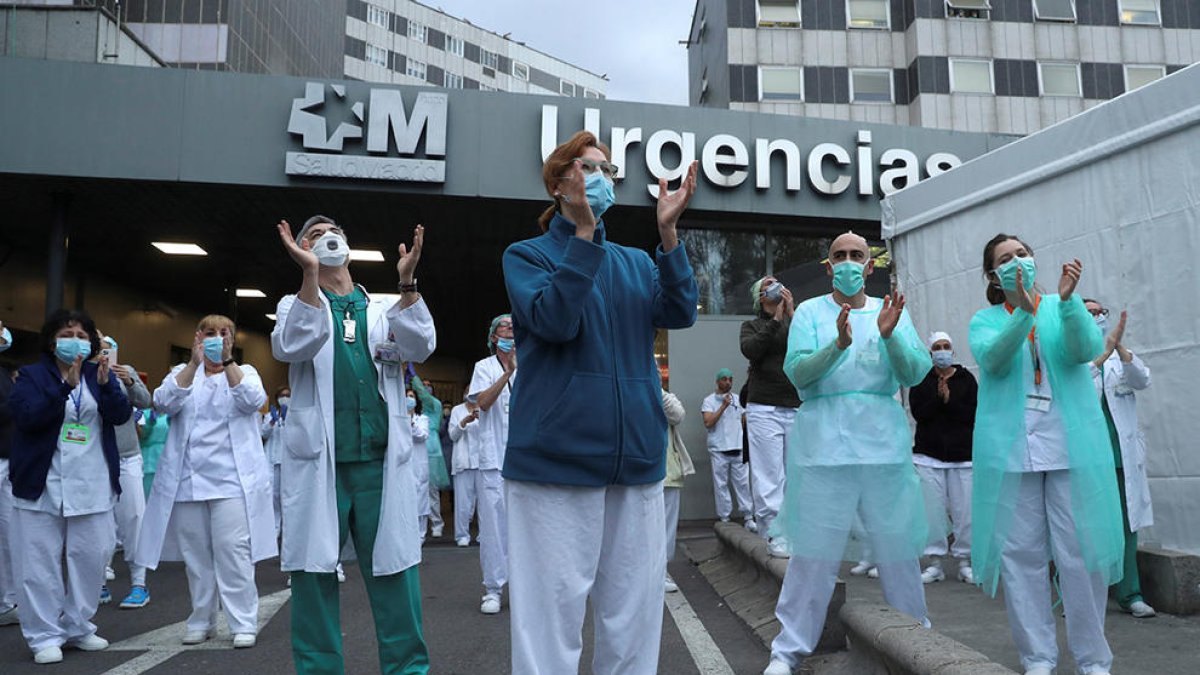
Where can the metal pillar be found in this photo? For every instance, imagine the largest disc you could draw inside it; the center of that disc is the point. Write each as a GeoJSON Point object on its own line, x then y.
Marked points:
{"type": "Point", "coordinates": [56, 260]}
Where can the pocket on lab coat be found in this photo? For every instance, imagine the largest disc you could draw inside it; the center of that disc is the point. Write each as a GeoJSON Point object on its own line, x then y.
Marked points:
{"type": "Point", "coordinates": [304, 433]}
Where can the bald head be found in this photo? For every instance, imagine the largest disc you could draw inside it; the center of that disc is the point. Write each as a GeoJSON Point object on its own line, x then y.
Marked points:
{"type": "Point", "coordinates": [846, 243]}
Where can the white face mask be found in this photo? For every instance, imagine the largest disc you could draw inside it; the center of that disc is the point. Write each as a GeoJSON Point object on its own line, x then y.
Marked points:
{"type": "Point", "coordinates": [943, 358]}
{"type": "Point", "coordinates": [331, 250]}
{"type": "Point", "coordinates": [285, 400]}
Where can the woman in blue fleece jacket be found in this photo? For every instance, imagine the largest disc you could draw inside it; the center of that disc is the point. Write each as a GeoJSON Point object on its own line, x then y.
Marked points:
{"type": "Point", "coordinates": [585, 463]}
{"type": "Point", "coordinates": [65, 485]}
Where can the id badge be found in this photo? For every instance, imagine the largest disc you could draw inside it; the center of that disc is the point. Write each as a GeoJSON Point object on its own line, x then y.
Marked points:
{"type": "Point", "coordinates": [1037, 402]}
{"type": "Point", "coordinates": [387, 353]}
{"type": "Point", "coordinates": [349, 328]}
{"type": "Point", "coordinates": [75, 433]}
{"type": "Point", "coordinates": [869, 354]}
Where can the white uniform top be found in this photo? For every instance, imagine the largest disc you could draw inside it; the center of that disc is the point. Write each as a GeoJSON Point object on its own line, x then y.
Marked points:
{"type": "Point", "coordinates": [467, 441]}
{"type": "Point", "coordinates": [209, 470]}
{"type": "Point", "coordinates": [77, 483]}
{"type": "Point", "coordinates": [1045, 432]}
{"type": "Point", "coordinates": [273, 442]}
{"type": "Point", "coordinates": [494, 421]}
{"type": "Point", "coordinates": [726, 434]}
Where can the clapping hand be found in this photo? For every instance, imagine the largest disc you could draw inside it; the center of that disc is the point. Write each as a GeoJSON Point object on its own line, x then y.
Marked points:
{"type": "Point", "coordinates": [1070, 278]}
{"type": "Point", "coordinates": [889, 315]}
{"type": "Point", "coordinates": [306, 259]}
{"type": "Point", "coordinates": [409, 257]}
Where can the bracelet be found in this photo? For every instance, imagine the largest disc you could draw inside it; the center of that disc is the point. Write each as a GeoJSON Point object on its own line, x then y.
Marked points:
{"type": "Point", "coordinates": [407, 288]}
{"type": "Point", "coordinates": [227, 362]}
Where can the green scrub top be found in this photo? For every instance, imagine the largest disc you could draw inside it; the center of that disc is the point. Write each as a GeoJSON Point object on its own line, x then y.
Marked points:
{"type": "Point", "coordinates": [360, 424]}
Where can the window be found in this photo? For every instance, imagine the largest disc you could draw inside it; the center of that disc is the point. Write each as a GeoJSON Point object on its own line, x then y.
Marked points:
{"type": "Point", "coordinates": [520, 71]}
{"type": "Point", "coordinates": [867, 14]}
{"type": "Point", "coordinates": [590, 93]}
{"type": "Point", "coordinates": [1054, 10]}
{"type": "Point", "coordinates": [778, 13]}
{"type": "Point", "coordinates": [377, 55]}
{"type": "Point", "coordinates": [489, 59]}
{"type": "Point", "coordinates": [378, 16]}
{"type": "Point", "coordinates": [1139, 12]}
{"type": "Point", "coordinates": [1136, 76]}
{"type": "Point", "coordinates": [780, 84]}
{"type": "Point", "coordinates": [566, 88]}
{"type": "Point", "coordinates": [452, 81]}
{"type": "Point", "coordinates": [418, 32]}
{"type": "Point", "coordinates": [968, 9]}
{"type": "Point", "coordinates": [970, 76]}
{"type": "Point", "coordinates": [1060, 79]}
{"type": "Point", "coordinates": [486, 87]}
{"type": "Point", "coordinates": [415, 69]}
{"type": "Point", "coordinates": [454, 45]}
{"type": "Point", "coordinates": [870, 86]}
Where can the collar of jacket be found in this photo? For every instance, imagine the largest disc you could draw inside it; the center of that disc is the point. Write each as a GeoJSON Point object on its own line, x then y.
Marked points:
{"type": "Point", "coordinates": [562, 230]}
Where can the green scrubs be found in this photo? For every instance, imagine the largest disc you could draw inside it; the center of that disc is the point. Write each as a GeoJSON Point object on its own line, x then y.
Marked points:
{"type": "Point", "coordinates": [360, 443]}
{"type": "Point", "coordinates": [1129, 589]}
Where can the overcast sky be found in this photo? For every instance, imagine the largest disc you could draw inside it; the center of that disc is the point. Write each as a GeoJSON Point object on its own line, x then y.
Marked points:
{"type": "Point", "coordinates": [636, 42]}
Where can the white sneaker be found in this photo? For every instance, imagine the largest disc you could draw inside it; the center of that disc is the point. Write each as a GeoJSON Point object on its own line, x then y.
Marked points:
{"type": "Point", "coordinates": [860, 569]}
{"type": "Point", "coordinates": [88, 643]}
{"type": "Point", "coordinates": [437, 532]}
{"type": "Point", "coordinates": [48, 655]}
{"type": "Point", "coordinates": [751, 525]}
{"type": "Point", "coordinates": [725, 519]}
{"type": "Point", "coordinates": [109, 574]}
{"type": "Point", "coordinates": [777, 667]}
{"type": "Point", "coordinates": [10, 618]}
{"type": "Point", "coordinates": [873, 573]}
{"type": "Point", "coordinates": [1039, 671]}
{"type": "Point", "coordinates": [463, 542]}
{"type": "Point", "coordinates": [669, 585]}
{"type": "Point", "coordinates": [779, 548]}
{"type": "Point", "coordinates": [244, 640]}
{"type": "Point", "coordinates": [966, 574]}
{"type": "Point", "coordinates": [490, 604]}
{"type": "Point", "coordinates": [1140, 610]}
{"type": "Point", "coordinates": [195, 637]}
{"type": "Point", "coordinates": [341, 572]}
{"type": "Point", "coordinates": [931, 574]}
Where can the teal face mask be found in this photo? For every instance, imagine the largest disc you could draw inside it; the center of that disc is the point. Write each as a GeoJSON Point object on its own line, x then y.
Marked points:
{"type": "Point", "coordinates": [68, 349]}
{"type": "Point", "coordinates": [848, 278]}
{"type": "Point", "coordinates": [214, 348]}
{"type": "Point", "coordinates": [1008, 273]}
{"type": "Point", "coordinates": [504, 344]}
{"type": "Point", "coordinates": [599, 193]}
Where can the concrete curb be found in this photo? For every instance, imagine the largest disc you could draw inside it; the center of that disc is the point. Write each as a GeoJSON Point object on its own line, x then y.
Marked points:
{"type": "Point", "coordinates": [1170, 580]}
{"type": "Point", "coordinates": [884, 640]}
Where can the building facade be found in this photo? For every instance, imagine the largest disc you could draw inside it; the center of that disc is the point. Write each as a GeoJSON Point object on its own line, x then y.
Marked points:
{"type": "Point", "coordinates": [1003, 66]}
{"type": "Point", "coordinates": [406, 42]}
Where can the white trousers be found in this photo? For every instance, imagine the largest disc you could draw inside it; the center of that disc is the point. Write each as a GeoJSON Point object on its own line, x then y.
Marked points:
{"type": "Point", "coordinates": [8, 582]}
{"type": "Point", "coordinates": [952, 490]}
{"type": "Point", "coordinates": [128, 514]}
{"type": "Point", "coordinates": [214, 538]}
{"type": "Point", "coordinates": [727, 469]}
{"type": "Point", "coordinates": [464, 502]}
{"type": "Point", "coordinates": [767, 431]}
{"type": "Point", "coordinates": [435, 508]}
{"type": "Point", "coordinates": [51, 613]}
{"type": "Point", "coordinates": [671, 513]}
{"type": "Point", "coordinates": [567, 544]}
{"type": "Point", "coordinates": [804, 601]}
{"type": "Point", "coordinates": [1042, 524]}
{"type": "Point", "coordinates": [493, 530]}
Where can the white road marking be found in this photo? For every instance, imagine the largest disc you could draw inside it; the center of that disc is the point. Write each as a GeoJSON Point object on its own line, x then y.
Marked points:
{"type": "Point", "coordinates": [705, 653]}
{"type": "Point", "coordinates": [163, 643]}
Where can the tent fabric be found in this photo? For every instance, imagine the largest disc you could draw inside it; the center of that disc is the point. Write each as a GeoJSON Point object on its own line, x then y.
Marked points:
{"type": "Point", "coordinates": [1118, 187]}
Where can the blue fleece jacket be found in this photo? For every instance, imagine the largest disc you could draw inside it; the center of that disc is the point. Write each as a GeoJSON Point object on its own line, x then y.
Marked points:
{"type": "Point", "coordinates": [38, 406]}
{"type": "Point", "coordinates": [587, 408]}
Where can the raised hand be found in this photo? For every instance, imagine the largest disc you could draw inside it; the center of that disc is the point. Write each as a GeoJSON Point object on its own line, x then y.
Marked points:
{"type": "Point", "coordinates": [306, 259]}
{"type": "Point", "coordinates": [73, 372]}
{"type": "Point", "coordinates": [672, 205]}
{"type": "Point", "coordinates": [889, 315]}
{"type": "Point", "coordinates": [227, 350]}
{"type": "Point", "coordinates": [407, 266]}
{"type": "Point", "coordinates": [1024, 297]}
{"type": "Point", "coordinates": [102, 373]}
{"type": "Point", "coordinates": [197, 349]}
{"type": "Point", "coordinates": [1114, 337]}
{"type": "Point", "coordinates": [845, 337]}
{"type": "Point", "coordinates": [572, 199]}
{"type": "Point", "coordinates": [1070, 278]}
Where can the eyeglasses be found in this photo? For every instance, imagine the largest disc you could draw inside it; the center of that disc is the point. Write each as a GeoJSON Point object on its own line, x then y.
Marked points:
{"type": "Point", "coordinates": [1098, 312]}
{"type": "Point", "coordinates": [590, 165]}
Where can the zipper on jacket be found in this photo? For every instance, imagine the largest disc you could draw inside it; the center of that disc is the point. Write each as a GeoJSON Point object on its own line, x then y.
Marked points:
{"type": "Point", "coordinates": [612, 350]}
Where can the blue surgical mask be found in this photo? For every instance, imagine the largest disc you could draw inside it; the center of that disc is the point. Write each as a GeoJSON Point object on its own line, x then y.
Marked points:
{"type": "Point", "coordinates": [773, 292]}
{"type": "Point", "coordinates": [67, 349]}
{"type": "Point", "coordinates": [943, 358]}
{"type": "Point", "coordinates": [412, 404]}
{"type": "Point", "coordinates": [504, 344]}
{"type": "Point", "coordinates": [599, 192]}
{"type": "Point", "coordinates": [848, 278]}
{"type": "Point", "coordinates": [214, 348]}
{"type": "Point", "coordinates": [7, 340]}
{"type": "Point", "coordinates": [1102, 323]}
{"type": "Point", "coordinates": [1008, 273]}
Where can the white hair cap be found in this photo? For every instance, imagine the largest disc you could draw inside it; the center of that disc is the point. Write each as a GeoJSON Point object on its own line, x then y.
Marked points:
{"type": "Point", "coordinates": [936, 336]}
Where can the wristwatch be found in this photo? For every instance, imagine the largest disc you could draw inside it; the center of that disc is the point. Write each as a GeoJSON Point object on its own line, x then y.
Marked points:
{"type": "Point", "coordinates": [407, 288]}
{"type": "Point", "coordinates": [228, 361]}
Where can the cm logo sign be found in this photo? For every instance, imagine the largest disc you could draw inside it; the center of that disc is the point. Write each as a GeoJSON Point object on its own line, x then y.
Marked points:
{"type": "Point", "coordinates": [385, 120]}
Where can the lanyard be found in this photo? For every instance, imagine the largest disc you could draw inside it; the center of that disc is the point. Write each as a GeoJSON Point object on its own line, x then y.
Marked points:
{"type": "Point", "coordinates": [509, 382]}
{"type": "Point", "coordinates": [1033, 350]}
{"type": "Point", "coordinates": [77, 400]}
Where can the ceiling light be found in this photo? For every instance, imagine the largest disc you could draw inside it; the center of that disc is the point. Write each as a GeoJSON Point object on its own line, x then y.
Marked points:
{"type": "Point", "coordinates": [271, 317]}
{"type": "Point", "coordinates": [177, 248]}
{"type": "Point", "coordinates": [363, 255]}
{"type": "Point", "coordinates": [250, 293]}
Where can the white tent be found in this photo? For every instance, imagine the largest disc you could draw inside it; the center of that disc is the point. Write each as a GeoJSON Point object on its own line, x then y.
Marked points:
{"type": "Point", "coordinates": [1118, 187]}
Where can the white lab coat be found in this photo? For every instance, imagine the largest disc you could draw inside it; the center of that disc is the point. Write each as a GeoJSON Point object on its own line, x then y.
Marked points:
{"type": "Point", "coordinates": [467, 441]}
{"type": "Point", "coordinates": [157, 540]}
{"type": "Point", "coordinates": [303, 338]}
{"type": "Point", "coordinates": [1121, 380]}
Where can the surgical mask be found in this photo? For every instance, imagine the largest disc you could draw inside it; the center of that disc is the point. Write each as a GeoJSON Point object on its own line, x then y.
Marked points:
{"type": "Point", "coordinates": [1008, 273]}
{"type": "Point", "coordinates": [284, 401]}
{"type": "Point", "coordinates": [599, 192]}
{"type": "Point", "coordinates": [214, 348]}
{"type": "Point", "coordinates": [331, 250]}
{"type": "Point", "coordinates": [68, 349]}
{"type": "Point", "coordinates": [7, 336]}
{"type": "Point", "coordinates": [412, 404]}
{"type": "Point", "coordinates": [943, 358]}
{"type": "Point", "coordinates": [504, 344]}
{"type": "Point", "coordinates": [774, 292]}
{"type": "Point", "coordinates": [848, 278]}
{"type": "Point", "coordinates": [1102, 323]}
